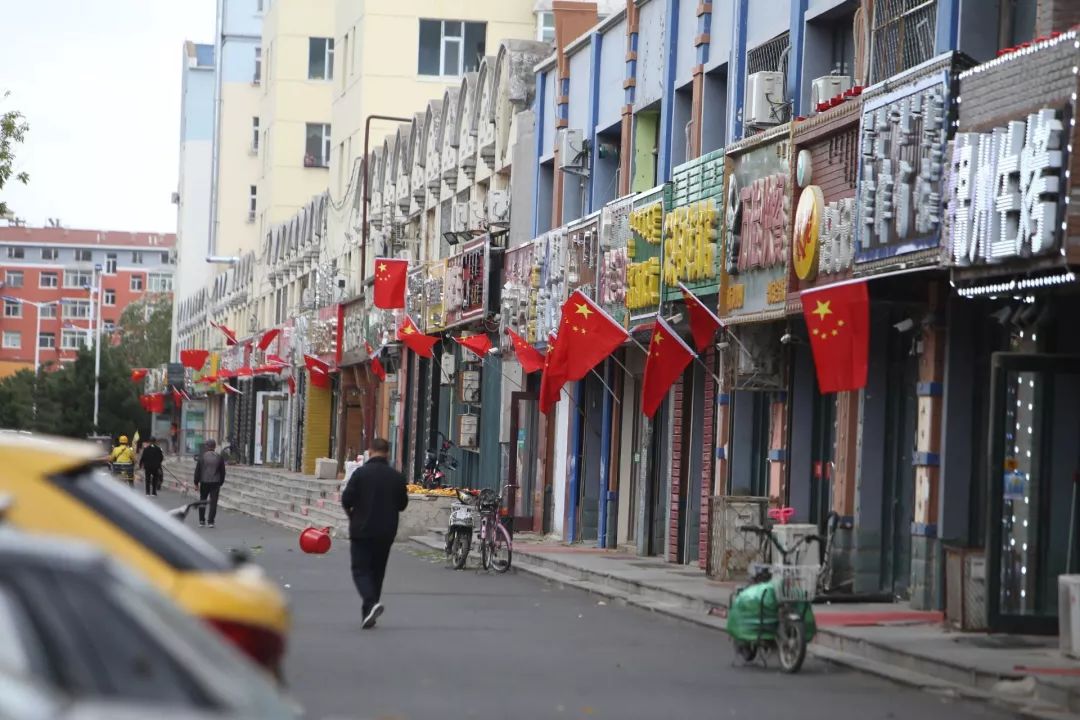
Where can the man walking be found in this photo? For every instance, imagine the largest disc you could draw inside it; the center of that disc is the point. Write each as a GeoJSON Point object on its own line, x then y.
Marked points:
{"type": "Point", "coordinates": [209, 477]}
{"type": "Point", "coordinates": [372, 500]}
{"type": "Point", "coordinates": [151, 461]}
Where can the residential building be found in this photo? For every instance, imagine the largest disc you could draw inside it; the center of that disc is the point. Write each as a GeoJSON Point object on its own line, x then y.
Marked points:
{"type": "Point", "coordinates": [54, 272]}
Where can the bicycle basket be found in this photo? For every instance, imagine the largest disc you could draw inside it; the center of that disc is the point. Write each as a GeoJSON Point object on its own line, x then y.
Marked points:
{"type": "Point", "coordinates": [489, 500]}
{"type": "Point", "coordinates": [795, 583]}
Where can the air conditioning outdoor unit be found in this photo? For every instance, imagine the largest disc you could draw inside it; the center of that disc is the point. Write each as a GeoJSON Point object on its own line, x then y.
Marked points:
{"type": "Point", "coordinates": [764, 98]}
{"type": "Point", "coordinates": [828, 87]}
{"type": "Point", "coordinates": [572, 149]}
{"type": "Point", "coordinates": [498, 206]}
{"type": "Point", "coordinates": [461, 216]}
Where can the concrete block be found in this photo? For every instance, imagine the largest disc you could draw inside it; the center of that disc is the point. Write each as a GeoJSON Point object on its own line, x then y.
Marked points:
{"type": "Point", "coordinates": [326, 468]}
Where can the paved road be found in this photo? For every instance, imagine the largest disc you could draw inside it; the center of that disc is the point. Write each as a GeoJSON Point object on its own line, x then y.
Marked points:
{"type": "Point", "coordinates": [468, 645]}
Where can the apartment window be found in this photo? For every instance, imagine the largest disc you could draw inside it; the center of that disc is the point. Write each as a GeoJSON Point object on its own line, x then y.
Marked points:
{"type": "Point", "coordinates": [160, 283]}
{"type": "Point", "coordinates": [108, 326]}
{"type": "Point", "coordinates": [545, 26]}
{"type": "Point", "coordinates": [13, 278]}
{"type": "Point", "coordinates": [166, 259]}
{"type": "Point", "coordinates": [48, 311]}
{"type": "Point", "coordinates": [257, 78]}
{"type": "Point", "coordinates": [110, 264]}
{"type": "Point", "coordinates": [72, 339]}
{"type": "Point", "coordinates": [83, 256]}
{"type": "Point", "coordinates": [78, 278]}
{"type": "Point", "coordinates": [255, 134]}
{"type": "Point", "coordinates": [110, 298]}
{"type": "Point", "coordinates": [48, 280]}
{"type": "Point", "coordinates": [76, 309]}
{"type": "Point", "coordinates": [450, 47]}
{"type": "Point", "coordinates": [253, 193]}
{"type": "Point", "coordinates": [259, 6]}
{"type": "Point", "coordinates": [49, 253]}
{"type": "Point", "coordinates": [317, 152]}
{"type": "Point", "coordinates": [46, 340]}
{"type": "Point", "coordinates": [136, 283]}
{"type": "Point", "coordinates": [16, 253]}
{"type": "Point", "coordinates": [136, 257]}
{"type": "Point", "coordinates": [320, 58]}
{"type": "Point", "coordinates": [12, 340]}
{"type": "Point", "coordinates": [12, 309]}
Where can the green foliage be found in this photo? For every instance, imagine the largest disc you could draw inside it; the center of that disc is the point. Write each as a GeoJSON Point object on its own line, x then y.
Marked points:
{"type": "Point", "coordinates": [65, 398]}
{"type": "Point", "coordinates": [13, 129]}
{"type": "Point", "coordinates": [145, 330]}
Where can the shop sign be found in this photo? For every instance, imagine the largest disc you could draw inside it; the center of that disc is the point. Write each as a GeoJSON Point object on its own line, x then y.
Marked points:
{"type": "Point", "coordinates": [645, 252]}
{"type": "Point", "coordinates": [1006, 190]}
{"type": "Point", "coordinates": [757, 227]}
{"type": "Point", "coordinates": [320, 333]}
{"type": "Point", "coordinates": [353, 334]}
{"type": "Point", "coordinates": [465, 284]}
{"type": "Point", "coordinates": [432, 299]}
{"type": "Point", "coordinates": [518, 301]}
{"type": "Point", "coordinates": [692, 228]}
{"type": "Point", "coordinates": [415, 294]}
{"type": "Point", "coordinates": [902, 147]}
{"type": "Point", "coordinates": [380, 326]}
{"type": "Point", "coordinates": [551, 252]}
{"type": "Point", "coordinates": [614, 259]}
{"type": "Point", "coordinates": [582, 244]}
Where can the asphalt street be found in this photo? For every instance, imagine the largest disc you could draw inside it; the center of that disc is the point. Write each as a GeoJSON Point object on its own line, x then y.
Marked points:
{"type": "Point", "coordinates": [464, 644]}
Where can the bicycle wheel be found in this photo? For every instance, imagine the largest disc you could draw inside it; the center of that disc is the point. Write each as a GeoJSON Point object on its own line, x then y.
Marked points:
{"type": "Point", "coordinates": [502, 549]}
{"type": "Point", "coordinates": [791, 642]}
{"type": "Point", "coordinates": [460, 551]}
{"type": "Point", "coordinates": [486, 535]}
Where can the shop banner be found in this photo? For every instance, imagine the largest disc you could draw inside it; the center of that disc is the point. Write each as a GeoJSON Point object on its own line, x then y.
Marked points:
{"type": "Point", "coordinates": [415, 298]}
{"type": "Point", "coordinates": [466, 284]}
{"type": "Point", "coordinates": [353, 340]}
{"type": "Point", "coordinates": [518, 302]}
{"type": "Point", "coordinates": [692, 228]}
{"type": "Point", "coordinates": [551, 253]}
{"type": "Point", "coordinates": [614, 238]}
{"type": "Point", "coordinates": [645, 251]}
{"type": "Point", "coordinates": [582, 245]}
{"type": "Point", "coordinates": [432, 317]}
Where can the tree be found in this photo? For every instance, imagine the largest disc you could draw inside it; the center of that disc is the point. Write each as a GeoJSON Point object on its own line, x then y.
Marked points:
{"type": "Point", "coordinates": [146, 332]}
{"type": "Point", "coordinates": [13, 129]}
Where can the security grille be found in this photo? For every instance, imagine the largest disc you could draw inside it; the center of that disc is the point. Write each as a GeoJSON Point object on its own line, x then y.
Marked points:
{"type": "Point", "coordinates": [771, 55]}
{"type": "Point", "coordinates": [732, 551]}
{"type": "Point", "coordinates": [902, 37]}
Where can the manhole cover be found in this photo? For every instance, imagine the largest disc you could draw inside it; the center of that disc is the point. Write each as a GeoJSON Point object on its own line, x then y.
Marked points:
{"type": "Point", "coordinates": [1006, 642]}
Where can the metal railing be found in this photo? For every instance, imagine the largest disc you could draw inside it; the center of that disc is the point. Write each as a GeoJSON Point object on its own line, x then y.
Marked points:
{"type": "Point", "coordinates": [903, 36]}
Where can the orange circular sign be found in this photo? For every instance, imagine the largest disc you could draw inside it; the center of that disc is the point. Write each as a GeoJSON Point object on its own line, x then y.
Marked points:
{"type": "Point", "coordinates": [804, 251]}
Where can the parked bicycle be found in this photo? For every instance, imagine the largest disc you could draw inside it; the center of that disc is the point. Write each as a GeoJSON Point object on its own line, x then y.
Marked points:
{"type": "Point", "coordinates": [774, 612]}
{"type": "Point", "coordinates": [496, 545]}
{"type": "Point", "coordinates": [433, 476]}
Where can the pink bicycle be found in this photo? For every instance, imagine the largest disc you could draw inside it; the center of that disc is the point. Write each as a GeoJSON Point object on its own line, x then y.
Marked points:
{"type": "Point", "coordinates": [496, 546]}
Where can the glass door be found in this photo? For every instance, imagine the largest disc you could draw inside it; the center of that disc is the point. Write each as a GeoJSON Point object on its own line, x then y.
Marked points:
{"type": "Point", "coordinates": [528, 493]}
{"type": "Point", "coordinates": [1033, 461]}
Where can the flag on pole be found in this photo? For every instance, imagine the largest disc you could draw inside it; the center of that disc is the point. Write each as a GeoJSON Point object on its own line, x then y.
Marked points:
{"type": "Point", "coordinates": [194, 359]}
{"type": "Point", "coordinates": [668, 357]}
{"type": "Point", "coordinates": [390, 276]}
{"type": "Point", "coordinates": [316, 365]}
{"type": "Point", "coordinates": [138, 374]}
{"type": "Point", "coordinates": [230, 336]}
{"type": "Point", "coordinates": [415, 340]}
{"type": "Point", "coordinates": [477, 344]}
{"type": "Point", "coordinates": [554, 377]}
{"type": "Point", "coordinates": [376, 364]}
{"type": "Point", "coordinates": [838, 318]}
{"type": "Point", "coordinates": [268, 337]}
{"type": "Point", "coordinates": [231, 390]}
{"type": "Point", "coordinates": [530, 358]}
{"type": "Point", "coordinates": [703, 322]}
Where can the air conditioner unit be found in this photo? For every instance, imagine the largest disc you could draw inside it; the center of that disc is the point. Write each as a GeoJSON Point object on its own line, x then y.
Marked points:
{"type": "Point", "coordinates": [477, 215]}
{"type": "Point", "coordinates": [175, 198]}
{"type": "Point", "coordinates": [498, 206]}
{"type": "Point", "coordinates": [828, 87]}
{"type": "Point", "coordinates": [764, 98]}
{"type": "Point", "coordinates": [307, 297]}
{"type": "Point", "coordinates": [572, 149]}
{"type": "Point", "coordinates": [461, 216]}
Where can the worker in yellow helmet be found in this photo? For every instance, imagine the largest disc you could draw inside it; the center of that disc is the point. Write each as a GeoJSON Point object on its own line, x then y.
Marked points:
{"type": "Point", "coordinates": [122, 458]}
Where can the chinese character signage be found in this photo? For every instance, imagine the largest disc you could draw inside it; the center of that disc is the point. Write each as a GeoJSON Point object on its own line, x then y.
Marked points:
{"type": "Point", "coordinates": [465, 284]}
{"type": "Point", "coordinates": [644, 252]}
{"type": "Point", "coordinates": [612, 280]}
{"type": "Point", "coordinates": [757, 226]}
{"type": "Point", "coordinates": [692, 228]}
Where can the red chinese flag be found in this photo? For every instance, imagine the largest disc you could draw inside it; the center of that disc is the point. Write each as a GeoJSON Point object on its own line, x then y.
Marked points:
{"type": "Point", "coordinates": [390, 283]}
{"type": "Point", "coordinates": [230, 389]}
{"type": "Point", "coordinates": [587, 335]}
{"type": "Point", "coordinates": [703, 322]}
{"type": "Point", "coordinates": [554, 377]}
{"type": "Point", "coordinates": [314, 364]}
{"type": "Point", "coordinates": [478, 344]}
{"type": "Point", "coordinates": [268, 337]}
{"type": "Point", "coordinates": [668, 357]}
{"type": "Point", "coordinates": [318, 379]}
{"type": "Point", "coordinates": [177, 397]}
{"type": "Point", "coordinates": [138, 374]}
{"type": "Point", "coordinates": [530, 358]}
{"type": "Point", "coordinates": [144, 401]}
{"type": "Point", "coordinates": [415, 340]}
{"type": "Point", "coordinates": [376, 364]}
{"type": "Point", "coordinates": [292, 385]}
{"type": "Point", "coordinates": [194, 359]}
{"type": "Point", "coordinates": [838, 319]}
{"type": "Point", "coordinates": [157, 403]}
{"type": "Point", "coordinates": [230, 336]}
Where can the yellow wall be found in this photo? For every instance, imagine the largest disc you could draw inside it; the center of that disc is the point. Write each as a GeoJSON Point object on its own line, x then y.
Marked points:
{"type": "Point", "coordinates": [239, 169]}
{"type": "Point", "coordinates": [317, 424]}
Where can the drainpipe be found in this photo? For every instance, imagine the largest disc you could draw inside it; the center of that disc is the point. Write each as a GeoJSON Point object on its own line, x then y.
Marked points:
{"type": "Point", "coordinates": [575, 462]}
{"type": "Point", "coordinates": [367, 174]}
{"type": "Point", "coordinates": [605, 459]}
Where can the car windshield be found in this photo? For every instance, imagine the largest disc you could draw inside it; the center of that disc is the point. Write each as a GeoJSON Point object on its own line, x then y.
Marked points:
{"type": "Point", "coordinates": [148, 524]}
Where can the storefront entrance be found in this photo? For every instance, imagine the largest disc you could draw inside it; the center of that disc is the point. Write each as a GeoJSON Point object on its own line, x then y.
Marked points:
{"type": "Point", "coordinates": [525, 445]}
{"type": "Point", "coordinates": [270, 428]}
{"type": "Point", "coordinates": [1034, 461]}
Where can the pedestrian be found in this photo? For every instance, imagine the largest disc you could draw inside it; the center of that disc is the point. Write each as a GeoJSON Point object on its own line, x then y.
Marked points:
{"type": "Point", "coordinates": [122, 458]}
{"type": "Point", "coordinates": [151, 461]}
{"type": "Point", "coordinates": [174, 439]}
{"type": "Point", "coordinates": [209, 477]}
{"type": "Point", "coordinates": [372, 500]}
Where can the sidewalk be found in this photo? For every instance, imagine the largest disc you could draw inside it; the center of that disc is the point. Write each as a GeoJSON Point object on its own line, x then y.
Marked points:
{"type": "Point", "coordinates": [1028, 674]}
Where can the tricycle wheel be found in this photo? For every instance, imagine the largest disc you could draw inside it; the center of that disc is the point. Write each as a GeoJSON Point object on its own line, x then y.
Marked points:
{"type": "Point", "coordinates": [746, 651]}
{"type": "Point", "coordinates": [791, 644]}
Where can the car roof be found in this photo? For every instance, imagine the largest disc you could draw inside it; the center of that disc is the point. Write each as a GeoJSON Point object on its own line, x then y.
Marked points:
{"type": "Point", "coordinates": [38, 455]}
{"type": "Point", "coordinates": [19, 548]}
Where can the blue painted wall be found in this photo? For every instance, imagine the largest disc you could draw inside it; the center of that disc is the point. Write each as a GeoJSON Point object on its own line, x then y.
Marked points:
{"type": "Point", "coordinates": [197, 104]}
{"type": "Point", "coordinates": [652, 53]}
{"type": "Point", "coordinates": [723, 16]}
{"type": "Point", "coordinates": [686, 58]}
{"type": "Point", "coordinates": [766, 20]}
{"type": "Point", "coordinates": [612, 72]}
{"type": "Point", "coordinates": [546, 131]}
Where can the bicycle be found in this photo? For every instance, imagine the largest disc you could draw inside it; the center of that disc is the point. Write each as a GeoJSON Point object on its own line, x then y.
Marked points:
{"type": "Point", "coordinates": [496, 545]}
{"type": "Point", "coordinates": [432, 476]}
{"type": "Point", "coordinates": [774, 611]}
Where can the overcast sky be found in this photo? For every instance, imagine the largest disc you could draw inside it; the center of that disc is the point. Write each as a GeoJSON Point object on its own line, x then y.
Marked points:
{"type": "Point", "coordinates": [99, 83]}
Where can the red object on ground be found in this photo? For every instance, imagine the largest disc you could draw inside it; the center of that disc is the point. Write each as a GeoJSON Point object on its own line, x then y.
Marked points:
{"type": "Point", "coordinates": [315, 541]}
{"type": "Point", "coordinates": [826, 618]}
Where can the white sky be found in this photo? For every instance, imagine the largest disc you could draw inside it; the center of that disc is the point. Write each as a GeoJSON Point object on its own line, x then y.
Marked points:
{"type": "Point", "coordinates": [99, 83]}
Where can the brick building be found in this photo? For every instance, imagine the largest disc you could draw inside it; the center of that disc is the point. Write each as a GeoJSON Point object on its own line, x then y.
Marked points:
{"type": "Point", "coordinates": [55, 271]}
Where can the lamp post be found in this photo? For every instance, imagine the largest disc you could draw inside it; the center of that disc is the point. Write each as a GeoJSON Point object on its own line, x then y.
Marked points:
{"type": "Point", "coordinates": [97, 344]}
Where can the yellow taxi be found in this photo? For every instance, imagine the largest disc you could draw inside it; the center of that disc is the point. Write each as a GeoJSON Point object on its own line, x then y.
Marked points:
{"type": "Point", "coordinates": [58, 488]}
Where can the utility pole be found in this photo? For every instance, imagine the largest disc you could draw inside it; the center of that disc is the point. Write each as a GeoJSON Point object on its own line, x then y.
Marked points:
{"type": "Point", "coordinates": [97, 344]}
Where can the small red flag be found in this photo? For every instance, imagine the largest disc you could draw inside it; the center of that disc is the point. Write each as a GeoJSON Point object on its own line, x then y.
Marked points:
{"type": "Point", "coordinates": [530, 358]}
{"type": "Point", "coordinates": [318, 379]}
{"type": "Point", "coordinates": [314, 364]}
{"type": "Point", "coordinates": [554, 377]}
{"type": "Point", "coordinates": [272, 359]}
{"type": "Point", "coordinates": [138, 374]}
{"type": "Point", "coordinates": [478, 344]}
{"type": "Point", "coordinates": [838, 318]}
{"type": "Point", "coordinates": [703, 322]}
{"type": "Point", "coordinates": [292, 385]}
{"type": "Point", "coordinates": [376, 364]}
{"type": "Point", "coordinates": [179, 396]}
{"type": "Point", "coordinates": [415, 340]}
{"type": "Point", "coordinates": [194, 359]}
{"type": "Point", "coordinates": [245, 372]}
{"type": "Point", "coordinates": [390, 275]}
{"type": "Point", "coordinates": [230, 389]}
{"type": "Point", "coordinates": [668, 357]}
{"type": "Point", "coordinates": [588, 333]}
{"type": "Point", "coordinates": [230, 336]}
{"type": "Point", "coordinates": [268, 337]}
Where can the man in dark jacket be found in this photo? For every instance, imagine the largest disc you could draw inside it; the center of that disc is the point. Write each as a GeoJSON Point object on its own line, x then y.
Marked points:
{"type": "Point", "coordinates": [151, 461]}
{"type": "Point", "coordinates": [209, 477]}
{"type": "Point", "coordinates": [372, 500]}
